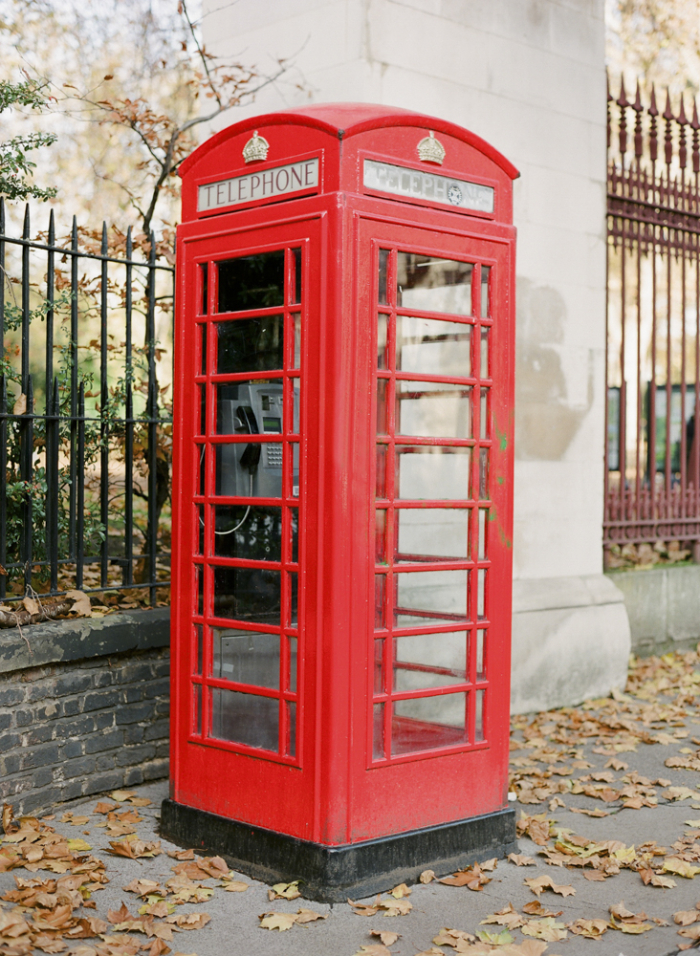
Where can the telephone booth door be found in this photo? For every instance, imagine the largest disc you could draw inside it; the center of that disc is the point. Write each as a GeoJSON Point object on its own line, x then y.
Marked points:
{"type": "Point", "coordinates": [439, 470]}
{"type": "Point", "coordinates": [245, 479]}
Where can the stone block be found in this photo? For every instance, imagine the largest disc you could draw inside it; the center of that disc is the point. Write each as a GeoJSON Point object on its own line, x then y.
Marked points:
{"type": "Point", "coordinates": [97, 743]}
{"type": "Point", "coordinates": [102, 700]}
{"type": "Point", "coordinates": [41, 756]}
{"type": "Point", "coordinates": [131, 713]}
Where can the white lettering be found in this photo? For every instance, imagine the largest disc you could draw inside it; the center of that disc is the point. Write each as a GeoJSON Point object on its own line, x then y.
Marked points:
{"type": "Point", "coordinates": [417, 184]}
{"type": "Point", "coordinates": [272, 182]}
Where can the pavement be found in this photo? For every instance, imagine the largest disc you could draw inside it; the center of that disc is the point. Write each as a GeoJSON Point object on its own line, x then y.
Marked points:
{"type": "Point", "coordinates": [642, 732]}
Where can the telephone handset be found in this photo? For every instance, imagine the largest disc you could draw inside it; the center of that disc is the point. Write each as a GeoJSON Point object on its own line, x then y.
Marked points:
{"type": "Point", "coordinates": [247, 425]}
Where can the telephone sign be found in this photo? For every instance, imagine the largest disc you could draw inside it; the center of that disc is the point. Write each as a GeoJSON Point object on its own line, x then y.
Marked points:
{"type": "Point", "coordinates": [342, 499]}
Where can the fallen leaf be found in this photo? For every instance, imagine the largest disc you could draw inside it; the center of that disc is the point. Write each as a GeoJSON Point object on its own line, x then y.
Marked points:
{"type": "Point", "coordinates": [81, 607]}
{"type": "Point", "coordinates": [284, 891]}
{"type": "Point", "coordinates": [235, 886]}
{"type": "Point", "coordinates": [520, 859]}
{"type": "Point", "coordinates": [495, 939]}
{"type": "Point", "coordinates": [546, 929]}
{"type": "Point", "coordinates": [590, 928]}
{"type": "Point", "coordinates": [387, 938]}
{"type": "Point", "coordinates": [20, 406]}
{"type": "Point", "coordinates": [545, 882]}
{"type": "Point", "coordinates": [122, 795]}
{"type": "Point", "coordinates": [680, 867]}
{"type": "Point", "coordinates": [309, 916]}
{"type": "Point", "coordinates": [427, 876]}
{"type": "Point", "coordinates": [686, 917]}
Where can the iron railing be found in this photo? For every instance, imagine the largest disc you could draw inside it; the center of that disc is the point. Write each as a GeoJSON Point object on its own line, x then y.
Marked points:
{"type": "Point", "coordinates": [84, 433]}
{"type": "Point", "coordinates": [652, 453]}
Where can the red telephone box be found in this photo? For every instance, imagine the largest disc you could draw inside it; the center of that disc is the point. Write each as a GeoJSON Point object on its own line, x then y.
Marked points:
{"type": "Point", "coordinates": [342, 500]}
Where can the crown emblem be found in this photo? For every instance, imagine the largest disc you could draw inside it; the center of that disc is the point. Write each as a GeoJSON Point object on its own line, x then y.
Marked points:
{"type": "Point", "coordinates": [431, 150]}
{"type": "Point", "coordinates": [256, 148]}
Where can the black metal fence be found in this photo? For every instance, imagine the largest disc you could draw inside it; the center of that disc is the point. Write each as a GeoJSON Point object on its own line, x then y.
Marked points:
{"type": "Point", "coordinates": [85, 424]}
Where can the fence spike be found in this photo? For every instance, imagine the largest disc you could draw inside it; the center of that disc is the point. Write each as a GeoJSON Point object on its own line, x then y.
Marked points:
{"type": "Point", "coordinates": [104, 246]}
{"type": "Point", "coordinates": [129, 244]}
{"type": "Point", "coordinates": [2, 214]}
{"type": "Point", "coordinates": [74, 233]}
{"type": "Point", "coordinates": [52, 229]}
{"type": "Point", "coordinates": [682, 122]}
{"type": "Point", "coordinates": [26, 228]}
{"type": "Point", "coordinates": [653, 137]}
{"type": "Point", "coordinates": [668, 138]}
{"type": "Point", "coordinates": [695, 126]}
{"type": "Point", "coordinates": [623, 103]}
{"type": "Point", "coordinates": [638, 138]}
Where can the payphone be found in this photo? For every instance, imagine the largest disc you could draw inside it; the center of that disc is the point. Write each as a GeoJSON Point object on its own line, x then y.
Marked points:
{"type": "Point", "coordinates": [342, 499]}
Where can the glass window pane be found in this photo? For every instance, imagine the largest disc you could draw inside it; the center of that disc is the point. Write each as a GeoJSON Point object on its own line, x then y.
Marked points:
{"type": "Point", "coordinates": [245, 719]}
{"type": "Point", "coordinates": [432, 534]}
{"type": "Point", "coordinates": [432, 472]}
{"type": "Point", "coordinates": [291, 728]}
{"type": "Point", "coordinates": [483, 518]}
{"type": "Point", "coordinates": [379, 666]}
{"type": "Point", "coordinates": [251, 282]}
{"type": "Point", "coordinates": [294, 521]}
{"type": "Point", "coordinates": [383, 270]}
{"type": "Point", "coordinates": [250, 345]}
{"type": "Point", "coordinates": [433, 347]}
{"type": "Point", "coordinates": [380, 542]}
{"type": "Point", "coordinates": [479, 716]}
{"type": "Point", "coordinates": [198, 644]}
{"type": "Point", "coordinates": [251, 470]}
{"type": "Point", "coordinates": [484, 414]}
{"type": "Point", "coordinates": [295, 290]}
{"type": "Point", "coordinates": [483, 472]}
{"type": "Point", "coordinates": [246, 657]}
{"type": "Point", "coordinates": [434, 285]}
{"type": "Point", "coordinates": [296, 405]}
{"type": "Point", "coordinates": [247, 594]}
{"type": "Point", "coordinates": [433, 410]}
{"type": "Point", "coordinates": [295, 468]}
{"type": "Point", "coordinates": [381, 483]}
{"type": "Point", "coordinates": [382, 337]}
{"type": "Point", "coordinates": [252, 531]}
{"type": "Point", "coordinates": [379, 598]}
{"type": "Point", "coordinates": [203, 349]}
{"type": "Point", "coordinates": [430, 660]}
{"type": "Point", "coordinates": [480, 649]}
{"type": "Point", "coordinates": [430, 597]}
{"type": "Point", "coordinates": [199, 589]}
{"type": "Point", "coordinates": [485, 302]}
{"type": "Point", "coordinates": [202, 471]}
{"type": "Point", "coordinates": [197, 704]}
{"type": "Point", "coordinates": [382, 406]}
{"type": "Point", "coordinates": [428, 722]}
{"type": "Point", "coordinates": [296, 345]}
{"type": "Point", "coordinates": [484, 358]}
{"type": "Point", "coordinates": [199, 520]}
{"type": "Point", "coordinates": [249, 408]}
{"type": "Point", "coordinates": [292, 684]}
{"type": "Point", "coordinates": [204, 278]}
{"type": "Point", "coordinates": [202, 390]}
{"type": "Point", "coordinates": [481, 593]}
{"type": "Point", "coordinates": [293, 598]}
{"type": "Point", "coordinates": [378, 732]}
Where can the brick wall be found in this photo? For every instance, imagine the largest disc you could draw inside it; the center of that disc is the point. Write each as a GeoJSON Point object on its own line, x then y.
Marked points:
{"type": "Point", "coordinates": [70, 728]}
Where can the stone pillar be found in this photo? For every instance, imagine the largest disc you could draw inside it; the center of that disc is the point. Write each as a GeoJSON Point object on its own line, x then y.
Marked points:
{"type": "Point", "coordinates": [528, 76]}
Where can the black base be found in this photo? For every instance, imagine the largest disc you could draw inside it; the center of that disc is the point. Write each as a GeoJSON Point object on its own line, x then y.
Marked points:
{"type": "Point", "coordinates": [330, 874]}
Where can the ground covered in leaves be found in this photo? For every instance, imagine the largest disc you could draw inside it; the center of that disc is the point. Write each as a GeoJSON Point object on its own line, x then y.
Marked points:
{"type": "Point", "coordinates": [608, 802]}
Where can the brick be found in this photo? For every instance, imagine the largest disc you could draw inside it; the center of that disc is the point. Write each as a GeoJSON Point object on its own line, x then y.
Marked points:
{"type": "Point", "coordinates": [133, 712]}
{"type": "Point", "coordinates": [9, 764]}
{"type": "Point", "coordinates": [161, 668]}
{"type": "Point", "coordinates": [104, 719]}
{"type": "Point", "coordinates": [11, 696]}
{"type": "Point", "coordinates": [135, 755]}
{"type": "Point", "coordinates": [41, 800]}
{"type": "Point", "coordinates": [136, 693]}
{"type": "Point", "coordinates": [104, 781]}
{"type": "Point", "coordinates": [78, 767]}
{"type": "Point", "coordinates": [72, 683]}
{"type": "Point", "coordinates": [156, 770]}
{"type": "Point", "coordinates": [41, 756]}
{"type": "Point", "coordinates": [163, 748]}
{"type": "Point", "coordinates": [106, 761]}
{"type": "Point", "coordinates": [23, 718]}
{"type": "Point", "coordinates": [158, 730]}
{"type": "Point", "coordinates": [160, 688]}
{"type": "Point", "coordinates": [39, 734]}
{"type": "Point", "coordinates": [101, 742]}
{"type": "Point", "coordinates": [135, 673]}
{"type": "Point", "coordinates": [73, 789]}
{"type": "Point", "coordinates": [163, 708]}
{"type": "Point", "coordinates": [5, 721]}
{"type": "Point", "coordinates": [102, 699]}
{"type": "Point", "coordinates": [133, 776]}
{"type": "Point", "coordinates": [49, 711]}
{"type": "Point", "coordinates": [134, 733]}
{"type": "Point", "coordinates": [72, 748]}
{"type": "Point", "coordinates": [42, 778]}
{"type": "Point", "coordinates": [77, 727]}
{"type": "Point", "coordinates": [71, 706]}
{"type": "Point", "coordinates": [105, 678]}
{"type": "Point", "coordinates": [10, 742]}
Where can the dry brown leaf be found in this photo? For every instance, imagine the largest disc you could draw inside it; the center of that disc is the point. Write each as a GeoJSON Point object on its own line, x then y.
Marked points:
{"type": "Point", "coordinates": [427, 876]}
{"type": "Point", "coordinates": [181, 854]}
{"type": "Point", "coordinates": [400, 891]}
{"type": "Point", "coordinates": [20, 406]}
{"type": "Point", "coordinates": [374, 949]}
{"type": "Point", "coordinates": [519, 859]}
{"type": "Point", "coordinates": [235, 886]}
{"type": "Point", "coordinates": [8, 822]}
{"type": "Point", "coordinates": [545, 882]}
{"type": "Point", "coordinates": [590, 928]}
{"type": "Point", "coordinates": [122, 795]}
{"type": "Point", "coordinates": [686, 917]}
{"type": "Point", "coordinates": [189, 920]}
{"type": "Point", "coordinates": [120, 915]}
{"type": "Point", "coordinates": [545, 929]}
{"type": "Point", "coordinates": [284, 891]}
{"type": "Point", "coordinates": [81, 607]}
{"type": "Point", "coordinates": [105, 808]}
{"type": "Point", "coordinates": [387, 938]}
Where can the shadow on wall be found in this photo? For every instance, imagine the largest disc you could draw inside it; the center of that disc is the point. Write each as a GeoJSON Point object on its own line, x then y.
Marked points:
{"type": "Point", "coordinates": [546, 421]}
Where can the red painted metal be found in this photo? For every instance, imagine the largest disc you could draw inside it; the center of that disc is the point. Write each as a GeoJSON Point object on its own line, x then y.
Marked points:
{"type": "Point", "coordinates": [652, 458]}
{"type": "Point", "coordinates": [370, 731]}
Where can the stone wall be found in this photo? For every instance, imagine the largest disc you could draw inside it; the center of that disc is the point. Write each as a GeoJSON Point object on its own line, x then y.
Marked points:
{"type": "Point", "coordinates": [83, 707]}
{"type": "Point", "coordinates": [663, 605]}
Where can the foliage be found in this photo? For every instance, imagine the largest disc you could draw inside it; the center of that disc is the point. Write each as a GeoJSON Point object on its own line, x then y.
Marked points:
{"type": "Point", "coordinates": [16, 167]}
